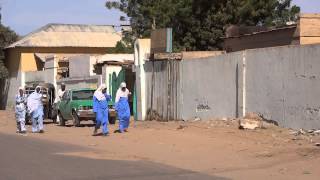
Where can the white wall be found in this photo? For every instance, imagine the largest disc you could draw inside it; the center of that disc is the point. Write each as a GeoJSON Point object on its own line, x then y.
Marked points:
{"type": "Point", "coordinates": [141, 50]}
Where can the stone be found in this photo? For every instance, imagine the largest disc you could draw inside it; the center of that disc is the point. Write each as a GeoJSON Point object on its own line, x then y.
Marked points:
{"type": "Point", "coordinates": [197, 119]}
{"type": "Point", "coordinates": [317, 132]}
{"type": "Point", "coordinates": [311, 131]}
{"type": "Point", "coordinates": [251, 121]}
{"type": "Point", "coordinates": [251, 115]}
{"type": "Point", "coordinates": [249, 124]}
{"type": "Point", "coordinates": [302, 131]}
{"type": "Point", "coordinates": [224, 119]}
{"type": "Point", "coordinates": [181, 127]}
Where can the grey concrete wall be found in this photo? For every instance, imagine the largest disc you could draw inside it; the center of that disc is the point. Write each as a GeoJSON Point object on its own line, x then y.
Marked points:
{"type": "Point", "coordinates": [79, 66]}
{"type": "Point", "coordinates": [14, 82]}
{"type": "Point", "coordinates": [46, 76]}
{"type": "Point", "coordinates": [76, 83]}
{"type": "Point", "coordinates": [210, 87]}
{"type": "Point", "coordinates": [283, 84]}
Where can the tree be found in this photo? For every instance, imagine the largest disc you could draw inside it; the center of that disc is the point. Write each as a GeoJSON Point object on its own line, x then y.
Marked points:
{"type": "Point", "coordinates": [121, 47]}
{"type": "Point", "coordinates": [200, 24]}
{"type": "Point", "coordinates": [7, 36]}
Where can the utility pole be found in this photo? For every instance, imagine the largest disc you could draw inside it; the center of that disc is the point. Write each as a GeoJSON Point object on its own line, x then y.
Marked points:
{"type": "Point", "coordinates": [153, 23]}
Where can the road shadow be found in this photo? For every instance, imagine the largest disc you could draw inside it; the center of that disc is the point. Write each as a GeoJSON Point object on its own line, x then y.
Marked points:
{"type": "Point", "coordinates": [27, 158]}
{"type": "Point", "coordinates": [81, 125]}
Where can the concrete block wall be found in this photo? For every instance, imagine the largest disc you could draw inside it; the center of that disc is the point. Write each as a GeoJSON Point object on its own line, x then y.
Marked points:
{"type": "Point", "coordinates": [283, 84]}
{"type": "Point", "coordinates": [210, 87]}
{"type": "Point", "coordinates": [79, 66]}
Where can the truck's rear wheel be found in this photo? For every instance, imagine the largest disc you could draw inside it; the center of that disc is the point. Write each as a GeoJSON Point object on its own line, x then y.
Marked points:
{"type": "Point", "coordinates": [62, 121]}
{"type": "Point", "coordinates": [75, 119]}
{"type": "Point", "coordinates": [112, 120]}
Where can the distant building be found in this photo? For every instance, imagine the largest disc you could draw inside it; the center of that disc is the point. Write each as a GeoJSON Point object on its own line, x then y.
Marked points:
{"type": "Point", "coordinates": [28, 54]}
{"type": "Point", "coordinates": [306, 31]}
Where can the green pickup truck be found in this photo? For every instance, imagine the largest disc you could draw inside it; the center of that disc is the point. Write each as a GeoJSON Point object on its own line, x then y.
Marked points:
{"type": "Point", "coordinates": [76, 105]}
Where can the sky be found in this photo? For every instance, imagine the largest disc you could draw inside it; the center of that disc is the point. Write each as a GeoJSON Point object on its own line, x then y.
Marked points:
{"type": "Point", "coordinates": [25, 16]}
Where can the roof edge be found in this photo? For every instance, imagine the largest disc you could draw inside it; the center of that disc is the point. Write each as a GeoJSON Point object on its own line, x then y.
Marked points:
{"type": "Point", "coordinates": [13, 45]}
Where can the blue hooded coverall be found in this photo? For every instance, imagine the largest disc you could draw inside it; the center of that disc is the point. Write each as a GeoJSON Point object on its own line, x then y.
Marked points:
{"type": "Point", "coordinates": [123, 110]}
{"type": "Point", "coordinates": [102, 110]}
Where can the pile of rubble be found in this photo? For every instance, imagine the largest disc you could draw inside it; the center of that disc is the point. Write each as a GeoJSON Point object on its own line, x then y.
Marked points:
{"type": "Point", "coordinates": [311, 132]}
{"type": "Point", "coordinates": [311, 135]}
{"type": "Point", "coordinates": [253, 121]}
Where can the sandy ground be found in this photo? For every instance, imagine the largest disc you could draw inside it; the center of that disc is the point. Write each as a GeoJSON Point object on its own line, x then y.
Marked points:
{"type": "Point", "coordinates": [210, 147]}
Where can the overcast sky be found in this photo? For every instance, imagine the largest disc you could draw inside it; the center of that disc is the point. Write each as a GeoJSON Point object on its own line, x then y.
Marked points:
{"type": "Point", "coordinates": [24, 16]}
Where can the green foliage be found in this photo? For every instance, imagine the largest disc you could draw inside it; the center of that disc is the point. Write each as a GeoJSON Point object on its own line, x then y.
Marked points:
{"type": "Point", "coordinates": [7, 36]}
{"type": "Point", "coordinates": [121, 47]}
{"type": "Point", "coordinates": [200, 24]}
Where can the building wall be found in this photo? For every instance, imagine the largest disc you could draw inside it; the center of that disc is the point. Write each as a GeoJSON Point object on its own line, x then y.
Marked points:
{"type": "Point", "coordinates": [107, 71]}
{"type": "Point", "coordinates": [281, 37]}
{"type": "Point", "coordinates": [76, 83]}
{"type": "Point", "coordinates": [141, 48]}
{"type": "Point", "coordinates": [210, 87]}
{"type": "Point", "coordinates": [20, 60]}
{"type": "Point", "coordinates": [28, 62]}
{"type": "Point", "coordinates": [309, 25]}
{"type": "Point", "coordinates": [79, 66]}
{"type": "Point", "coordinates": [283, 84]}
{"type": "Point", "coordinates": [280, 83]}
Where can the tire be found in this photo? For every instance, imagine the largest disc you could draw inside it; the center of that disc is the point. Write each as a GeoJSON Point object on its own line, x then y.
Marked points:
{"type": "Point", "coordinates": [54, 120]}
{"type": "Point", "coordinates": [75, 119]}
{"type": "Point", "coordinates": [27, 119]}
{"type": "Point", "coordinates": [112, 120]}
{"type": "Point", "coordinates": [62, 121]}
{"type": "Point", "coordinates": [53, 116]}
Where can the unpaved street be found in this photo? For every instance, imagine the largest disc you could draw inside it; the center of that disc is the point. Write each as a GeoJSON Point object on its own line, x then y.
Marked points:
{"type": "Point", "coordinates": [193, 150]}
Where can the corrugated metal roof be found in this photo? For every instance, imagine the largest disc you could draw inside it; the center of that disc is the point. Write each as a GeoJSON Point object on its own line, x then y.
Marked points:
{"type": "Point", "coordinates": [70, 35]}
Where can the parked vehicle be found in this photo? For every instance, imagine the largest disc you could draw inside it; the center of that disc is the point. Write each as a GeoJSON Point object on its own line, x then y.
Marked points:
{"type": "Point", "coordinates": [48, 96]}
{"type": "Point", "coordinates": [76, 105]}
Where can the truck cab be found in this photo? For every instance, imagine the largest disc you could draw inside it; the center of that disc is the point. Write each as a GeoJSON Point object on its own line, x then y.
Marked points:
{"type": "Point", "coordinates": [77, 105]}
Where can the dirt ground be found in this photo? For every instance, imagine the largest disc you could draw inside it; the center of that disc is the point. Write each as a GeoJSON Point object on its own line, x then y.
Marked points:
{"type": "Point", "coordinates": [212, 147]}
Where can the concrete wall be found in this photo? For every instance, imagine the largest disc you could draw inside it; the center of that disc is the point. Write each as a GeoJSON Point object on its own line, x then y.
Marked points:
{"type": "Point", "coordinates": [107, 71]}
{"type": "Point", "coordinates": [16, 57]}
{"type": "Point", "coordinates": [283, 84]}
{"type": "Point", "coordinates": [141, 49]}
{"type": "Point", "coordinates": [79, 66]}
{"type": "Point", "coordinates": [200, 54]}
{"type": "Point", "coordinates": [210, 87]}
{"type": "Point", "coordinates": [86, 82]}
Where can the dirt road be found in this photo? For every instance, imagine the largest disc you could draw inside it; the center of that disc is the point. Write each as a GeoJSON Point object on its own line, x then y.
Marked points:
{"type": "Point", "coordinates": [214, 148]}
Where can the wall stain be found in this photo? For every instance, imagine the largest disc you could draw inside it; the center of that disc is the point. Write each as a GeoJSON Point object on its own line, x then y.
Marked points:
{"type": "Point", "coordinates": [202, 105]}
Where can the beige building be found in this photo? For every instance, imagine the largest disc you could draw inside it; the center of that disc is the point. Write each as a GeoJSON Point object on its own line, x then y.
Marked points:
{"type": "Point", "coordinates": [306, 31]}
{"type": "Point", "coordinates": [59, 39]}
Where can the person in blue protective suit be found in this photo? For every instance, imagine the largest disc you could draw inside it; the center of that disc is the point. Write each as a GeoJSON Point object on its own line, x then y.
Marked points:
{"type": "Point", "coordinates": [35, 108]}
{"type": "Point", "coordinates": [20, 111]}
{"type": "Point", "coordinates": [100, 107]}
{"type": "Point", "coordinates": [122, 107]}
